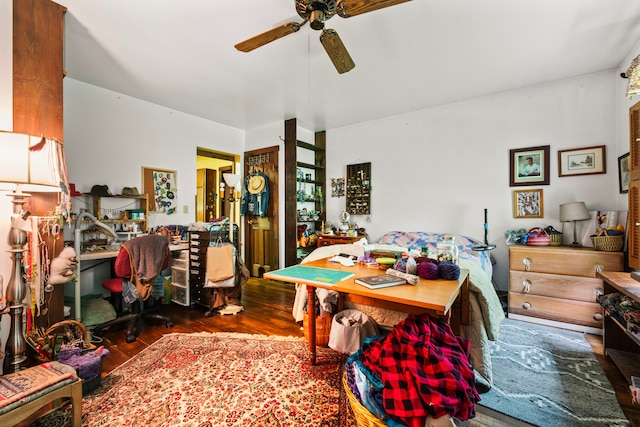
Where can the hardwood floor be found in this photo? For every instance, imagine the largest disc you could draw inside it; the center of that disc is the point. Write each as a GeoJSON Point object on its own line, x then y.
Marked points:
{"type": "Point", "coordinates": [267, 310]}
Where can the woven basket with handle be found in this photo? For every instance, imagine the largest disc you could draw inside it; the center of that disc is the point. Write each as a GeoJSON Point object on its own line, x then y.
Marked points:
{"type": "Point", "coordinates": [73, 333]}
{"type": "Point", "coordinates": [364, 418]}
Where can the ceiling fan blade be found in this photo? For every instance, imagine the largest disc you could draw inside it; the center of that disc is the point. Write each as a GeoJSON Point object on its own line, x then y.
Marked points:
{"type": "Point", "coordinates": [269, 36]}
{"type": "Point", "coordinates": [348, 8]}
{"type": "Point", "coordinates": [336, 51]}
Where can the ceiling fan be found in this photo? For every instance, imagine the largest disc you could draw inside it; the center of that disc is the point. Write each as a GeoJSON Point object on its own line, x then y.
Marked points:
{"type": "Point", "coordinates": [316, 12]}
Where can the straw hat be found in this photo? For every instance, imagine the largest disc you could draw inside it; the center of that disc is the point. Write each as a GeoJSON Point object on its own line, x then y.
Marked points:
{"type": "Point", "coordinates": [256, 184]}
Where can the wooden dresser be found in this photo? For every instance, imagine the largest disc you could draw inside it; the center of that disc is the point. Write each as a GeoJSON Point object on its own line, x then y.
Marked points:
{"type": "Point", "coordinates": [557, 285]}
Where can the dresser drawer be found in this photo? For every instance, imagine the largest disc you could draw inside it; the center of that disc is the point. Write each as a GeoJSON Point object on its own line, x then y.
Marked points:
{"type": "Point", "coordinates": [557, 309]}
{"type": "Point", "coordinates": [574, 288]}
{"type": "Point", "coordinates": [564, 260]}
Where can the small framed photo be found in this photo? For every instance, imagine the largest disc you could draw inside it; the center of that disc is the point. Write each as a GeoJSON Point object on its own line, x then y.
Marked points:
{"type": "Point", "coordinates": [623, 173]}
{"type": "Point", "coordinates": [528, 204]}
{"type": "Point", "coordinates": [529, 166]}
{"type": "Point", "coordinates": [582, 161]}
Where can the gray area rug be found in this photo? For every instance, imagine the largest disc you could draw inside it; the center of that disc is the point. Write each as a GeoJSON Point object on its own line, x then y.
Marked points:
{"type": "Point", "coordinates": [547, 376]}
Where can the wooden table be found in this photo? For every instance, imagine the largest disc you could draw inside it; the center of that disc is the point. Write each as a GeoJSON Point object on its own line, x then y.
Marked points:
{"type": "Point", "coordinates": [445, 299]}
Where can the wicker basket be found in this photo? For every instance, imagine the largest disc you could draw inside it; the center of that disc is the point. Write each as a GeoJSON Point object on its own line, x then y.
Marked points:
{"type": "Point", "coordinates": [608, 243]}
{"type": "Point", "coordinates": [555, 239]}
{"type": "Point", "coordinates": [68, 329]}
{"type": "Point", "coordinates": [364, 418]}
{"type": "Point", "coordinates": [323, 329]}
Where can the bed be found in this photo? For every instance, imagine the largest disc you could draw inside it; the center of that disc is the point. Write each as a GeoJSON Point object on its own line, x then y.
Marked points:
{"type": "Point", "coordinates": [486, 313]}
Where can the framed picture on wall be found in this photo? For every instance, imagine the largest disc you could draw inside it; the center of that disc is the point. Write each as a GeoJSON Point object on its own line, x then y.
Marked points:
{"type": "Point", "coordinates": [528, 204]}
{"type": "Point", "coordinates": [529, 166]}
{"type": "Point", "coordinates": [623, 173]}
{"type": "Point", "coordinates": [582, 161]}
{"type": "Point", "coordinates": [161, 188]}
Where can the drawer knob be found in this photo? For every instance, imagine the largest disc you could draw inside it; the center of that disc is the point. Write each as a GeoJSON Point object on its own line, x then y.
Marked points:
{"type": "Point", "coordinates": [598, 267]}
{"type": "Point", "coordinates": [527, 264]}
{"type": "Point", "coordinates": [526, 305]}
{"type": "Point", "coordinates": [526, 286]}
{"type": "Point", "coordinates": [597, 316]}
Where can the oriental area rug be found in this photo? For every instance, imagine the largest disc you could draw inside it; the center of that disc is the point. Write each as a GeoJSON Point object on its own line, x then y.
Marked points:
{"type": "Point", "coordinates": [221, 379]}
{"type": "Point", "coordinates": [547, 376]}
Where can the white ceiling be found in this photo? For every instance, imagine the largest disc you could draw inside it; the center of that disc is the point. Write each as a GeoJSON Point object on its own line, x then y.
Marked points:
{"type": "Point", "coordinates": [180, 54]}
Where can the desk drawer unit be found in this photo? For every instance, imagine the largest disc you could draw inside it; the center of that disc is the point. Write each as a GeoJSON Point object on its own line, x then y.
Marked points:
{"type": "Point", "coordinates": [198, 244]}
{"type": "Point", "coordinates": [180, 277]}
{"type": "Point", "coordinates": [559, 284]}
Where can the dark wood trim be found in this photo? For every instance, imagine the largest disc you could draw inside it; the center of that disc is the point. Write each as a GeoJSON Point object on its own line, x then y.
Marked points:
{"type": "Point", "coordinates": [290, 226]}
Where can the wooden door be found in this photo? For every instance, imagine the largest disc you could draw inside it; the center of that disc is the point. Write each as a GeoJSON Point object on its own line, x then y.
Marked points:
{"type": "Point", "coordinates": [206, 194]}
{"type": "Point", "coordinates": [261, 233]}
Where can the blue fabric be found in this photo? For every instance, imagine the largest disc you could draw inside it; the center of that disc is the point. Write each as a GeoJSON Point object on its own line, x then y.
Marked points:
{"type": "Point", "coordinates": [255, 204]}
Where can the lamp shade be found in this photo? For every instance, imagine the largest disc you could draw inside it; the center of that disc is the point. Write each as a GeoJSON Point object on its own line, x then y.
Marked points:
{"type": "Point", "coordinates": [633, 74]}
{"type": "Point", "coordinates": [574, 211]}
{"type": "Point", "coordinates": [34, 162]}
{"type": "Point", "coordinates": [231, 179]}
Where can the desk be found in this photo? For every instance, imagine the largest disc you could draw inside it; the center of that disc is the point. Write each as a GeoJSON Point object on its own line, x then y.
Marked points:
{"type": "Point", "coordinates": [105, 254]}
{"type": "Point", "coordinates": [446, 299]}
{"type": "Point", "coordinates": [102, 255]}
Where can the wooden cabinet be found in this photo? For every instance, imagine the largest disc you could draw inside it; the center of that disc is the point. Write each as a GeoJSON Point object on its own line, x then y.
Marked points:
{"type": "Point", "coordinates": [621, 343]}
{"type": "Point", "coordinates": [633, 231]}
{"type": "Point", "coordinates": [559, 284]}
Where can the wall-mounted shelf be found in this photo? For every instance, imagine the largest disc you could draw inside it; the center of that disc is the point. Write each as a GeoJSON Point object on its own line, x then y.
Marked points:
{"type": "Point", "coordinates": [310, 160]}
{"type": "Point", "coordinates": [359, 189]}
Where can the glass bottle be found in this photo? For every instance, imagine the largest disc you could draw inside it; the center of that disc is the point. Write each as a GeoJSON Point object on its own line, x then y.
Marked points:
{"type": "Point", "coordinates": [447, 249]}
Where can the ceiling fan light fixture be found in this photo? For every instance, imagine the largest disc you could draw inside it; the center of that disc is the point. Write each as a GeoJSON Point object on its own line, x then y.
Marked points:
{"type": "Point", "coordinates": [316, 19]}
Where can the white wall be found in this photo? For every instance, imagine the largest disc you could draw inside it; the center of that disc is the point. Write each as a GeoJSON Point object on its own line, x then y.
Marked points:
{"type": "Point", "coordinates": [110, 136]}
{"type": "Point", "coordinates": [437, 169]}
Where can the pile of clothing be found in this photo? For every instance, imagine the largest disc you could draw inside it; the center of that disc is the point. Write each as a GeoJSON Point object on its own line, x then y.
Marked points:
{"type": "Point", "coordinates": [417, 373]}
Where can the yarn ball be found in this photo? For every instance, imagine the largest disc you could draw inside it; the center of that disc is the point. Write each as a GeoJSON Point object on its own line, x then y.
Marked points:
{"type": "Point", "coordinates": [428, 270]}
{"type": "Point", "coordinates": [420, 259]}
{"type": "Point", "coordinates": [401, 265]}
{"type": "Point", "coordinates": [449, 270]}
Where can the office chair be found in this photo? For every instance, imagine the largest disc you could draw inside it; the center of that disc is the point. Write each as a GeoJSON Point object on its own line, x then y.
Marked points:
{"type": "Point", "coordinates": [137, 266]}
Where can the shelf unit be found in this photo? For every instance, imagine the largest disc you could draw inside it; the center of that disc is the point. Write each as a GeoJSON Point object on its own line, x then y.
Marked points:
{"type": "Point", "coordinates": [118, 212]}
{"type": "Point", "coordinates": [620, 343]}
{"type": "Point", "coordinates": [180, 292]}
{"type": "Point", "coordinates": [310, 160]}
{"type": "Point", "coordinates": [310, 192]}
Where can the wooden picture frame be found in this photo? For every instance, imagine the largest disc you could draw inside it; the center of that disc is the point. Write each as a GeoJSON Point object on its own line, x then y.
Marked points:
{"type": "Point", "coordinates": [582, 161]}
{"type": "Point", "coordinates": [529, 166]}
{"type": "Point", "coordinates": [624, 170]}
{"type": "Point", "coordinates": [528, 203]}
{"type": "Point", "coordinates": [161, 188]}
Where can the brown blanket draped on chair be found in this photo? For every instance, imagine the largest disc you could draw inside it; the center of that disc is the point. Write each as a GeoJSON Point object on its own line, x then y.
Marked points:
{"type": "Point", "coordinates": [146, 257]}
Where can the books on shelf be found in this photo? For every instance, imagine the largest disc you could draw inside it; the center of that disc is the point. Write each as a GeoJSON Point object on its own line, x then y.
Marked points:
{"type": "Point", "coordinates": [380, 281]}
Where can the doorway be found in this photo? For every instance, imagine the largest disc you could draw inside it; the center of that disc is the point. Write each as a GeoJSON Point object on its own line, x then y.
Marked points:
{"type": "Point", "coordinates": [211, 201]}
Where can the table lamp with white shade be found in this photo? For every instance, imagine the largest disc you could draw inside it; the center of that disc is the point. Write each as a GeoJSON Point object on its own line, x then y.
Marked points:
{"type": "Point", "coordinates": [572, 212]}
